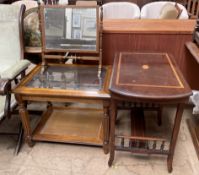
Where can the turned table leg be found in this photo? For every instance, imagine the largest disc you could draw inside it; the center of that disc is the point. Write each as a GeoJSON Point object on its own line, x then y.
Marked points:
{"type": "Point", "coordinates": [174, 135]}
{"type": "Point", "coordinates": [113, 111]}
{"type": "Point", "coordinates": [106, 126]}
{"type": "Point", "coordinates": [25, 120]}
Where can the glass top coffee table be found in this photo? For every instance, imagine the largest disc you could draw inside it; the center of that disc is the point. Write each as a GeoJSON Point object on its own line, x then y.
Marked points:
{"type": "Point", "coordinates": [67, 83]}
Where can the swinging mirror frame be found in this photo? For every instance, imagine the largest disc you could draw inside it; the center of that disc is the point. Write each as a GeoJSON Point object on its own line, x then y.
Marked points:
{"type": "Point", "coordinates": [43, 34]}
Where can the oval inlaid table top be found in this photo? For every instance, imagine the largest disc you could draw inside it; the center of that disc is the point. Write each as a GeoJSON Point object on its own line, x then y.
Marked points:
{"type": "Point", "coordinates": [152, 76]}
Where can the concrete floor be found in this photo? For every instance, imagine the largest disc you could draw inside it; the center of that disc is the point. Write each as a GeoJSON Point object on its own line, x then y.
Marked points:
{"type": "Point", "coordinates": [67, 159]}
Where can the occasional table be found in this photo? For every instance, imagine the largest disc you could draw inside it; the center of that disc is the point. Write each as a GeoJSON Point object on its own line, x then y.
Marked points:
{"type": "Point", "coordinates": [147, 78]}
{"type": "Point", "coordinates": [61, 83]}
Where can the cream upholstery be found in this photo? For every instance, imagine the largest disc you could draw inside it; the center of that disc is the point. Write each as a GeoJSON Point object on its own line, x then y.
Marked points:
{"type": "Point", "coordinates": [121, 10]}
{"type": "Point", "coordinates": [10, 47]}
{"type": "Point", "coordinates": [63, 2]}
{"type": "Point", "coordinates": [9, 35]}
{"type": "Point", "coordinates": [12, 61]}
{"type": "Point", "coordinates": [11, 56]}
{"type": "Point", "coordinates": [152, 10]}
{"type": "Point", "coordinates": [14, 70]}
{"type": "Point", "coordinates": [2, 104]}
{"type": "Point", "coordinates": [28, 3]}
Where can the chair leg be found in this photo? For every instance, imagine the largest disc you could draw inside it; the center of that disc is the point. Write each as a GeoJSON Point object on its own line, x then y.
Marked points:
{"type": "Point", "coordinates": [20, 139]}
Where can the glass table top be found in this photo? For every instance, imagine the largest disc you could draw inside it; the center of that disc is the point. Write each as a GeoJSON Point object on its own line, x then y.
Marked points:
{"type": "Point", "coordinates": [69, 77]}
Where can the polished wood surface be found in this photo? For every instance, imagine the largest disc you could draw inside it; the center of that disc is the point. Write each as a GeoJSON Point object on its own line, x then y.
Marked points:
{"type": "Point", "coordinates": [36, 50]}
{"type": "Point", "coordinates": [148, 26]}
{"type": "Point", "coordinates": [140, 77]}
{"type": "Point", "coordinates": [85, 128]}
{"type": "Point", "coordinates": [155, 76]}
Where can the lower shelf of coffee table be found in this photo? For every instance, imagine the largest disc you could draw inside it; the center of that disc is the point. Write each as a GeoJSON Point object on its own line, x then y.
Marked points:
{"type": "Point", "coordinates": [71, 125]}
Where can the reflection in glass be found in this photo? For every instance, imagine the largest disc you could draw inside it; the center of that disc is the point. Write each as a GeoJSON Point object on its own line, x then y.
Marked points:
{"type": "Point", "coordinates": [75, 77]}
{"type": "Point", "coordinates": [70, 28]}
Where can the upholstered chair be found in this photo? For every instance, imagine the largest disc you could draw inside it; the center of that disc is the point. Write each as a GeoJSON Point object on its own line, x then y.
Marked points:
{"type": "Point", "coordinates": [28, 3]}
{"type": "Point", "coordinates": [12, 60]}
{"type": "Point", "coordinates": [32, 34]}
{"type": "Point", "coordinates": [153, 10]}
{"type": "Point", "coordinates": [121, 10]}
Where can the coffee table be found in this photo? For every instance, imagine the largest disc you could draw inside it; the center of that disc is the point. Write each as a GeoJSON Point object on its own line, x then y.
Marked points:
{"type": "Point", "coordinates": [149, 78]}
{"type": "Point", "coordinates": [67, 83]}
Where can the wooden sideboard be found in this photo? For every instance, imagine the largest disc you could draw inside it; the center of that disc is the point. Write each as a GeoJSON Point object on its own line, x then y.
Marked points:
{"type": "Point", "coordinates": [152, 36]}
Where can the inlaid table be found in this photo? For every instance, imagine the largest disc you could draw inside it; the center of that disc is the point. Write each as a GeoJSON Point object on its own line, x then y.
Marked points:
{"type": "Point", "coordinates": [152, 78]}
{"type": "Point", "coordinates": [61, 83]}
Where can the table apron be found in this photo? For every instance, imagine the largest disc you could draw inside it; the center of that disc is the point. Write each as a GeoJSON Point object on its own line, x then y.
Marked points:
{"type": "Point", "coordinates": [62, 99]}
{"type": "Point", "coordinates": [148, 100]}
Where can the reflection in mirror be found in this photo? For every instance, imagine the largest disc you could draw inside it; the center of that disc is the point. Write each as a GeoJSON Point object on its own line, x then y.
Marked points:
{"type": "Point", "coordinates": [71, 29]}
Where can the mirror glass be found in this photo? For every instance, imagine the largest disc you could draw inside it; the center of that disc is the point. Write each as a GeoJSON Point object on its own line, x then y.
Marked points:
{"type": "Point", "coordinates": [70, 29]}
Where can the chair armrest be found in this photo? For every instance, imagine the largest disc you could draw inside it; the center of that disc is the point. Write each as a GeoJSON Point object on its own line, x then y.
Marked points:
{"type": "Point", "coordinates": [13, 71]}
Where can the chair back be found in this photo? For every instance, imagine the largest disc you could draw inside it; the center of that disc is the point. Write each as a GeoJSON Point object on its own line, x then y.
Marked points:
{"type": "Point", "coordinates": [32, 34]}
{"type": "Point", "coordinates": [28, 3]}
{"type": "Point", "coordinates": [193, 8]}
{"type": "Point", "coordinates": [11, 50]}
{"type": "Point", "coordinates": [152, 10]}
{"type": "Point", "coordinates": [121, 10]}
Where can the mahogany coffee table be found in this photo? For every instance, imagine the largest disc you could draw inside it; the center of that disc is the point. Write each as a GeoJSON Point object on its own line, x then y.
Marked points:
{"type": "Point", "coordinates": [152, 78]}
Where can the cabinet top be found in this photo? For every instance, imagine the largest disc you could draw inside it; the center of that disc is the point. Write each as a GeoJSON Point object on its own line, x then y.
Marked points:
{"type": "Point", "coordinates": [148, 26]}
